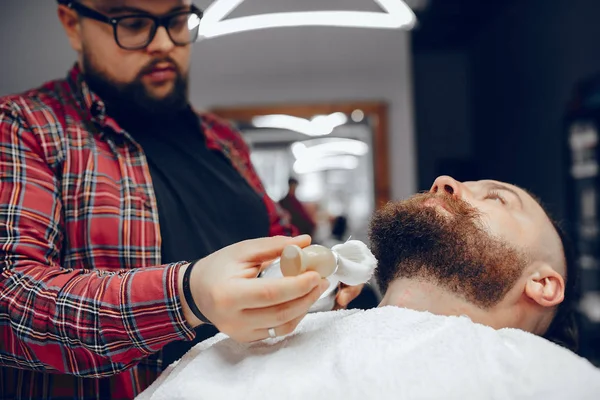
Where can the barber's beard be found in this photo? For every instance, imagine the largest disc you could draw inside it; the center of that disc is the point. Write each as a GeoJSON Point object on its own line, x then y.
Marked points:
{"type": "Point", "coordinates": [134, 97]}
{"type": "Point", "coordinates": [451, 250]}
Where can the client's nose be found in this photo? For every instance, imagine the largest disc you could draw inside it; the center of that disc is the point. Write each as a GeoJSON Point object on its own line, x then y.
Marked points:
{"type": "Point", "coordinates": [447, 185]}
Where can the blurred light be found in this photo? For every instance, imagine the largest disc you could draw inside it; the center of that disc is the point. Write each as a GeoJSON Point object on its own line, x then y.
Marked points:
{"type": "Point", "coordinates": [308, 165]}
{"type": "Point", "coordinates": [320, 125]}
{"type": "Point", "coordinates": [590, 306]}
{"type": "Point", "coordinates": [397, 15]}
{"type": "Point", "coordinates": [312, 187]}
{"type": "Point", "coordinates": [357, 115]}
{"type": "Point", "coordinates": [193, 22]}
{"type": "Point", "coordinates": [298, 150]}
{"type": "Point", "coordinates": [329, 147]}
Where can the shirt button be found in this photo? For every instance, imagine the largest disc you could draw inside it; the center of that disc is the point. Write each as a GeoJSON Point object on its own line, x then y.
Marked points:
{"type": "Point", "coordinates": [96, 110]}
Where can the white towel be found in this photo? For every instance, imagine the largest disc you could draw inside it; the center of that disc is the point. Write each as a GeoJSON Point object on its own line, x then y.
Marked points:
{"type": "Point", "coordinates": [385, 353]}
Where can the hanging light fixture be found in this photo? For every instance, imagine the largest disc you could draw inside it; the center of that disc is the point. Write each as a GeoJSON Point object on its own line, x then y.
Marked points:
{"type": "Point", "coordinates": [397, 15]}
{"type": "Point", "coordinates": [320, 125]}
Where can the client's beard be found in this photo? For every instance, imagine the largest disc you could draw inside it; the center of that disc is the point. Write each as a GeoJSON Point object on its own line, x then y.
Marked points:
{"type": "Point", "coordinates": [452, 251]}
{"type": "Point", "coordinates": [133, 98]}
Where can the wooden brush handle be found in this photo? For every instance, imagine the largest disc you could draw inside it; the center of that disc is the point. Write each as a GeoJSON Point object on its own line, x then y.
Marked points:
{"type": "Point", "coordinates": [295, 261]}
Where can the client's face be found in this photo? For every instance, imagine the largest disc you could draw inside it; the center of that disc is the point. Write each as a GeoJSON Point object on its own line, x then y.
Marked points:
{"type": "Point", "coordinates": [473, 239]}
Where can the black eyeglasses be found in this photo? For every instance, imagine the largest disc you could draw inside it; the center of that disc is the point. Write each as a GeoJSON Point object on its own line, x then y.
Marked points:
{"type": "Point", "coordinates": [136, 31]}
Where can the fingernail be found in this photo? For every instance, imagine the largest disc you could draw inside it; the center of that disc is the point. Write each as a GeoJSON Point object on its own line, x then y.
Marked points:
{"type": "Point", "coordinates": [302, 237]}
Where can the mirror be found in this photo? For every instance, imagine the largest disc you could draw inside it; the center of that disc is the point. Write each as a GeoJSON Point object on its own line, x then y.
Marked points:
{"type": "Point", "coordinates": [338, 154]}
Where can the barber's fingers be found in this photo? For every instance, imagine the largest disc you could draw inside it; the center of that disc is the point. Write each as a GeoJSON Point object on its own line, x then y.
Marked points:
{"type": "Point", "coordinates": [253, 272]}
{"type": "Point", "coordinates": [257, 251]}
{"type": "Point", "coordinates": [281, 330]}
{"type": "Point", "coordinates": [267, 292]}
{"type": "Point", "coordinates": [282, 314]}
{"type": "Point", "coordinates": [346, 295]}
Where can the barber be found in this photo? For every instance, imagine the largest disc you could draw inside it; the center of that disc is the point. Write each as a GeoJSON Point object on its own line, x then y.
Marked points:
{"type": "Point", "coordinates": [111, 186]}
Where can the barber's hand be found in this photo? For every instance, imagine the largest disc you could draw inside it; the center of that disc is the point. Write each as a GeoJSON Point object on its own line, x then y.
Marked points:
{"type": "Point", "coordinates": [226, 291]}
{"type": "Point", "coordinates": [346, 294]}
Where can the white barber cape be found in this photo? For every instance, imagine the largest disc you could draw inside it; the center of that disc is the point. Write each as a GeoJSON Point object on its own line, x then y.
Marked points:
{"type": "Point", "coordinates": [384, 353]}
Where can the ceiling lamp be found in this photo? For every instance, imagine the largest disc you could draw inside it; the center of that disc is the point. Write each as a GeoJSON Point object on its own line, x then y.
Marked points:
{"type": "Point", "coordinates": [306, 166]}
{"type": "Point", "coordinates": [320, 148]}
{"type": "Point", "coordinates": [397, 15]}
{"type": "Point", "coordinates": [319, 125]}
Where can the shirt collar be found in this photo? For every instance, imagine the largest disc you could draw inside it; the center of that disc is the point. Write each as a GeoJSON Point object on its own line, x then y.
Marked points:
{"type": "Point", "coordinates": [92, 103]}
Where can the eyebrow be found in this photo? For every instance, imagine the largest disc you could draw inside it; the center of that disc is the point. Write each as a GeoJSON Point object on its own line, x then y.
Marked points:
{"type": "Point", "coordinates": [123, 9]}
{"type": "Point", "coordinates": [497, 186]}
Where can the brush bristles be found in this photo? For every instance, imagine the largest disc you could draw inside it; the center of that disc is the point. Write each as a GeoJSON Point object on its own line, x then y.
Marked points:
{"type": "Point", "coordinates": [356, 262]}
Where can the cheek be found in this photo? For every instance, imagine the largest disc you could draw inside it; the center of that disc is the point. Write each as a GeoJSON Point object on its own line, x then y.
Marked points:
{"type": "Point", "coordinates": [182, 56]}
{"type": "Point", "coordinates": [107, 57]}
{"type": "Point", "coordinates": [119, 65]}
{"type": "Point", "coordinates": [501, 223]}
{"type": "Point", "coordinates": [124, 68]}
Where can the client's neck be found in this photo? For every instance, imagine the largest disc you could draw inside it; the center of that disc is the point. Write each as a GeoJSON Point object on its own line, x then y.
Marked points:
{"type": "Point", "coordinates": [421, 295]}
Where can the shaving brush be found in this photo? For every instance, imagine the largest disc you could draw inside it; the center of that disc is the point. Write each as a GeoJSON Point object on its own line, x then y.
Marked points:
{"type": "Point", "coordinates": [351, 263]}
{"type": "Point", "coordinates": [295, 260]}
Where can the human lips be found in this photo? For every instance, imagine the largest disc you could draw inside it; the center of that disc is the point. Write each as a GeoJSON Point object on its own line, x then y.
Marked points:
{"type": "Point", "coordinates": [161, 72]}
{"type": "Point", "coordinates": [437, 202]}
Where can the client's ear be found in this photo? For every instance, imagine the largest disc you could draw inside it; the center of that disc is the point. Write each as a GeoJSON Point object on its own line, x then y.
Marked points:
{"type": "Point", "coordinates": [545, 286]}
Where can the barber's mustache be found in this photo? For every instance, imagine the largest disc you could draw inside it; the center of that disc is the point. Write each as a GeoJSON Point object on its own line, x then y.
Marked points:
{"type": "Point", "coordinates": [152, 64]}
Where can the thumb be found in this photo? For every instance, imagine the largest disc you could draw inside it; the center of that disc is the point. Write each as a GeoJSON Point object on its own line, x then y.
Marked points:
{"type": "Point", "coordinates": [258, 251]}
{"type": "Point", "coordinates": [347, 294]}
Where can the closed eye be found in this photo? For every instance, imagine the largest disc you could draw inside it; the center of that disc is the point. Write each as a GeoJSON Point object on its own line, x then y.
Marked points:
{"type": "Point", "coordinates": [493, 195]}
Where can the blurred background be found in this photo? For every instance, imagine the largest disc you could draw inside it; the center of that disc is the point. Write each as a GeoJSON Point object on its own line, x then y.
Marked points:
{"type": "Point", "coordinates": [327, 163]}
{"type": "Point", "coordinates": [502, 89]}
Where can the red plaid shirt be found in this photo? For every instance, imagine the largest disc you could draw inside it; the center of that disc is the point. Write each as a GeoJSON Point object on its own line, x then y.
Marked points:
{"type": "Point", "coordinates": [85, 306]}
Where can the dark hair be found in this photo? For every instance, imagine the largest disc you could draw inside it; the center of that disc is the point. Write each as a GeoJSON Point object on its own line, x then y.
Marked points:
{"type": "Point", "coordinates": [292, 181]}
{"type": "Point", "coordinates": [564, 330]}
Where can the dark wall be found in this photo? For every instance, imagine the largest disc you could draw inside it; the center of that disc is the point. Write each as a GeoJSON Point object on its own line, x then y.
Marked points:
{"type": "Point", "coordinates": [524, 66]}
{"type": "Point", "coordinates": [442, 114]}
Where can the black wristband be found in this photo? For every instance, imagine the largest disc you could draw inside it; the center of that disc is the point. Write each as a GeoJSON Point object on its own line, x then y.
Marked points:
{"type": "Point", "coordinates": [187, 292]}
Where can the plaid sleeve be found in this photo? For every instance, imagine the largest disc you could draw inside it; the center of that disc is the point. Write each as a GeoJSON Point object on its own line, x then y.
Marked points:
{"type": "Point", "coordinates": [87, 323]}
